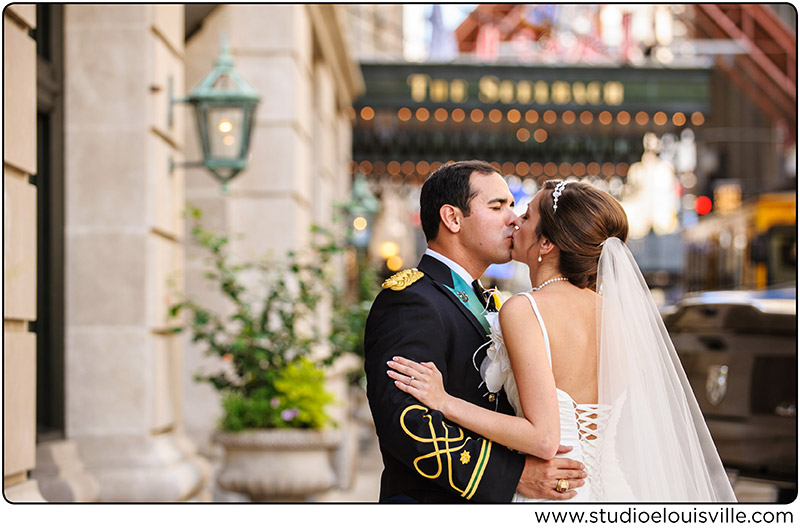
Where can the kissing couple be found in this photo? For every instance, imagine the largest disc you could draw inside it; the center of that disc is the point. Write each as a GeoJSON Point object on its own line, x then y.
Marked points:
{"type": "Point", "coordinates": [572, 391]}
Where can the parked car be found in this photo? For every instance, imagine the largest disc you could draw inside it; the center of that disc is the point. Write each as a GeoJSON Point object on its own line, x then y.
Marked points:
{"type": "Point", "coordinates": [739, 351]}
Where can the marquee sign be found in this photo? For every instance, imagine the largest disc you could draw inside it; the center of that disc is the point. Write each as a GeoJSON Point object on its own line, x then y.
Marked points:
{"type": "Point", "coordinates": [490, 89]}
{"type": "Point", "coordinates": [557, 87]}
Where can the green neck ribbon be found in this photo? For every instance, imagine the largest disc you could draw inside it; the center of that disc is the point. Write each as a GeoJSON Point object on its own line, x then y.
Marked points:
{"type": "Point", "coordinates": [461, 289]}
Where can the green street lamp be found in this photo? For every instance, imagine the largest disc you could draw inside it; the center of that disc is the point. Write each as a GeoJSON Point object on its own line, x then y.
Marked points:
{"type": "Point", "coordinates": [361, 208]}
{"type": "Point", "coordinates": [224, 106]}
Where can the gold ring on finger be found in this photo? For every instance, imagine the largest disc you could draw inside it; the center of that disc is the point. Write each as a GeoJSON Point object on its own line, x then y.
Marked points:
{"type": "Point", "coordinates": [562, 485]}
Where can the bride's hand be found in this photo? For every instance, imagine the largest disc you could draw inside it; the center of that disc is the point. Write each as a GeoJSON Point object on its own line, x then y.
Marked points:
{"type": "Point", "coordinates": [420, 380]}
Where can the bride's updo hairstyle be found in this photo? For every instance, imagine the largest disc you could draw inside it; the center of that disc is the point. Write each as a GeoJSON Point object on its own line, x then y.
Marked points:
{"type": "Point", "coordinates": [585, 217]}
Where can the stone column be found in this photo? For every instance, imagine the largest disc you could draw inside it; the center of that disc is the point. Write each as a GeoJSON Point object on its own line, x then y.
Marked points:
{"type": "Point", "coordinates": [19, 253]}
{"type": "Point", "coordinates": [299, 152]}
{"type": "Point", "coordinates": [123, 232]}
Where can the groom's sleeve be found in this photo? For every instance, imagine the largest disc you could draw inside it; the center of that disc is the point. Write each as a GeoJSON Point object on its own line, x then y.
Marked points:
{"type": "Point", "coordinates": [433, 448]}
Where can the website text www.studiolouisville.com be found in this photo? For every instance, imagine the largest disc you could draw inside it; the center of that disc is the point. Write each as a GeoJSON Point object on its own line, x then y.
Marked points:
{"type": "Point", "coordinates": [656, 515]}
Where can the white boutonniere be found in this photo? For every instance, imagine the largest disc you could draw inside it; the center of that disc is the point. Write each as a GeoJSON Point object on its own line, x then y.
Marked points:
{"type": "Point", "coordinates": [496, 367]}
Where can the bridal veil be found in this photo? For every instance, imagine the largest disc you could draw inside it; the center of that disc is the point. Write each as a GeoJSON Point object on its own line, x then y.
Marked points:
{"type": "Point", "coordinates": [656, 446]}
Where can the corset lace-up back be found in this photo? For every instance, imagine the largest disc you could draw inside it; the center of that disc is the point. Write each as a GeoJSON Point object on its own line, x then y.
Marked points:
{"type": "Point", "coordinates": [591, 422]}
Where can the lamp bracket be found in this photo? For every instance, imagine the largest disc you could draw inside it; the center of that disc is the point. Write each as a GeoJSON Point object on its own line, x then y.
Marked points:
{"type": "Point", "coordinates": [173, 101]}
{"type": "Point", "coordinates": [173, 164]}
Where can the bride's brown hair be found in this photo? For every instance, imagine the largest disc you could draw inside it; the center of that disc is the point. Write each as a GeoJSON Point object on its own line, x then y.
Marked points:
{"type": "Point", "coordinates": [585, 218]}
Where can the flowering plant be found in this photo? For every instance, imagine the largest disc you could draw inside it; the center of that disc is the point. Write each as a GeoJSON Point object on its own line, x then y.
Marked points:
{"type": "Point", "coordinates": [267, 337]}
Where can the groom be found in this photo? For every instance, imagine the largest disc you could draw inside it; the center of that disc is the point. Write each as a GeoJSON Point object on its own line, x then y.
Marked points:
{"type": "Point", "coordinates": [433, 314]}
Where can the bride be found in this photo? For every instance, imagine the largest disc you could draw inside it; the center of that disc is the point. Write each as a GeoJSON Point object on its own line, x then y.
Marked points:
{"type": "Point", "coordinates": [586, 362]}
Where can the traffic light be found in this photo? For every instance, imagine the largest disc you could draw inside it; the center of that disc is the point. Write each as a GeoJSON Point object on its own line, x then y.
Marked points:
{"type": "Point", "coordinates": [702, 205]}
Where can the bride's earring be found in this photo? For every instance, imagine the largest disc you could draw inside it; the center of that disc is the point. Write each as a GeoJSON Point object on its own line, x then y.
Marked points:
{"type": "Point", "coordinates": [540, 258]}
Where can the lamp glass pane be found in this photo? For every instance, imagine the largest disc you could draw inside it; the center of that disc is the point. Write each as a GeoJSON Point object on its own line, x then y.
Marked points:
{"type": "Point", "coordinates": [224, 83]}
{"type": "Point", "coordinates": [225, 131]}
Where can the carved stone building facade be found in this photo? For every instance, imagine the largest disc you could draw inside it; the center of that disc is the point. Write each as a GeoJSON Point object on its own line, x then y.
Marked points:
{"type": "Point", "coordinates": [99, 402]}
{"type": "Point", "coordinates": [376, 31]}
{"type": "Point", "coordinates": [19, 253]}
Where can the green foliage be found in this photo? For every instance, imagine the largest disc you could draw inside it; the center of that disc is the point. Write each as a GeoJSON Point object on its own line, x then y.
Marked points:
{"type": "Point", "coordinates": [302, 386]}
{"type": "Point", "coordinates": [348, 327]}
{"type": "Point", "coordinates": [298, 400]}
{"type": "Point", "coordinates": [350, 317]}
{"type": "Point", "coordinates": [267, 337]}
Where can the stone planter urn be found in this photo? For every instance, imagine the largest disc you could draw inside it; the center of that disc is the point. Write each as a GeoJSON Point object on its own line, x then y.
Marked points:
{"type": "Point", "coordinates": [284, 466]}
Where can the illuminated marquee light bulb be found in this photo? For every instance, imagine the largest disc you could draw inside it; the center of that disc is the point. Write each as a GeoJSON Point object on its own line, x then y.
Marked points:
{"type": "Point", "coordinates": [365, 167]}
{"type": "Point", "coordinates": [367, 113]}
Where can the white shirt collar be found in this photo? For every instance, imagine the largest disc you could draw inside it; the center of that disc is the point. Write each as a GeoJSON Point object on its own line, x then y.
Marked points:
{"type": "Point", "coordinates": [454, 266]}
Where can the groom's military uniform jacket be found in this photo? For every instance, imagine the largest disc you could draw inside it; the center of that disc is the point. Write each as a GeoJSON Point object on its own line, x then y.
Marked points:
{"type": "Point", "coordinates": [426, 456]}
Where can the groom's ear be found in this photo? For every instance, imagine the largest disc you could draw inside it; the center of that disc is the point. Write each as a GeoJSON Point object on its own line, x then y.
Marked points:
{"type": "Point", "coordinates": [451, 217]}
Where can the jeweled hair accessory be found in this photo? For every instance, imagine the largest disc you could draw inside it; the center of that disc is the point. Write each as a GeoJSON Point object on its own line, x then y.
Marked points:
{"type": "Point", "coordinates": [557, 193]}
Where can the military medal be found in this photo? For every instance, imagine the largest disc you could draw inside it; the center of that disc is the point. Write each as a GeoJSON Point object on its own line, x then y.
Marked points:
{"type": "Point", "coordinates": [463, 291]}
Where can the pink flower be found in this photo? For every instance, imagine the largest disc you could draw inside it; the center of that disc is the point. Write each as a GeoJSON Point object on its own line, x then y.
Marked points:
{"type": "Point", "coordinates": [288, 415]}
{"type": "Point", "coordinates": [275, 402]}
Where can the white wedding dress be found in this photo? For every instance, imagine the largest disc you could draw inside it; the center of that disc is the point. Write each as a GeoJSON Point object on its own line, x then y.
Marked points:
{"type": "Point", "coordinates": [645, 440]}
{"type": "Point", "coordinates": [582, 425]}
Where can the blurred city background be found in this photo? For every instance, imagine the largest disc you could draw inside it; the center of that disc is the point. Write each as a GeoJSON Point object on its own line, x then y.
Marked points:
{"type": "Point", "coordinates": [202, 200]}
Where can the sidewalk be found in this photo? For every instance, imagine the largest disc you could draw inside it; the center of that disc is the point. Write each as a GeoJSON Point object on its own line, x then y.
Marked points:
{"type": "Point", "coordinates": [368, 477]}
{"type": "Point", "coordinates": [366, 483]}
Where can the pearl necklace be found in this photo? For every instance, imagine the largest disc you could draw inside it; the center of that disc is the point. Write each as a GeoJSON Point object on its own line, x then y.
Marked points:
{"type": "Point", "coordinates": [548, 282]}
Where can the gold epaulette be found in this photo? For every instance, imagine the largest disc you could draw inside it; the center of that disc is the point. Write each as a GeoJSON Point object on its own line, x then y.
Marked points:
{"type": "Point", "coordinates": [402, 279]}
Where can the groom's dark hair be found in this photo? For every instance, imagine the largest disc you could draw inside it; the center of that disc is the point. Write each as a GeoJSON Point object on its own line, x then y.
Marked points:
{"type": "Point", "coordinates": [448, 185]}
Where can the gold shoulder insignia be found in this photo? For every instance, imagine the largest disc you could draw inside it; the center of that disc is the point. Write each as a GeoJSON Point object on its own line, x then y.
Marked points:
{"type": "Point", "coordinates": [402, 279]}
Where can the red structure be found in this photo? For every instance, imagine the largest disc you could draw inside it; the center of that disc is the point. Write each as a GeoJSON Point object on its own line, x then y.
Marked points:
{"type": "Point", "coordinates": [767, 72]}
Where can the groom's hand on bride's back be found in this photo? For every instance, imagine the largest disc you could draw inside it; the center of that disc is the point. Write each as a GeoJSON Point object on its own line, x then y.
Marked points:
{"type": "Point", "coordinates": [540, 477]}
